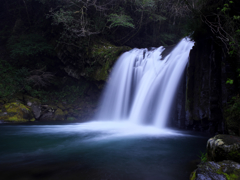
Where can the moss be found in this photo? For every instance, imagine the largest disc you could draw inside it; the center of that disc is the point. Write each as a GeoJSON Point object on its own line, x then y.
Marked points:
{"type": "Point", "coordinates": [32, 120]}
{"type": "Point", "coordinates": [11, 107]}
{"type": "Point", "coordinates": [16, 112]}
{"type": "Point", "coordinates": [193, 175]}
{"type": "Point", "coordinates": [16, 118]}
{"type": "Point", "coordinates": [59, 115]}
{"type": "Point", "coordinates": [231, 176]}
{"type": "Point", "coordinates": [229, 173]}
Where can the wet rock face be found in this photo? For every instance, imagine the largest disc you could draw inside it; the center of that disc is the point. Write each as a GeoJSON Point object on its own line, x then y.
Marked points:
{"type": "Point", "coordinates": [206, 92]}
{"type": "Point", "coordinates": [224, 147]}
{"type": "Point", "coordinates": [225, 170]}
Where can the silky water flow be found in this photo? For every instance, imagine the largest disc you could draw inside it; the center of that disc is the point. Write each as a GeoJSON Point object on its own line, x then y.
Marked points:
{"type": "Point", "coordinates": [142, 85]}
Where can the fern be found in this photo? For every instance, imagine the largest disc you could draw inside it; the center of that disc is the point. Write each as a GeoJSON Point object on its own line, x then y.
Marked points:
{"type": "Point", "coordinates": [120, 20]}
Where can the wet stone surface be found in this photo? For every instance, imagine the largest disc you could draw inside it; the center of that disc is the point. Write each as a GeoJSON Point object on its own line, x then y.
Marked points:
{"type": "Point", "coordinates": [224, 147]}
{"type": "Point", "coordinates": [210, 170]}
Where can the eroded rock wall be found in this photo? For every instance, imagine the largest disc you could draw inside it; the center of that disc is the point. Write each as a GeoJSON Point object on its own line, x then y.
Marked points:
{"type": "Point", "coordinates": [205, 88]}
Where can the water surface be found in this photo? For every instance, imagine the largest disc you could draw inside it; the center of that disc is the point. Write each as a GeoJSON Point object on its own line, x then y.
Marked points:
{"type": "Point", "coordinates": [97, 150]}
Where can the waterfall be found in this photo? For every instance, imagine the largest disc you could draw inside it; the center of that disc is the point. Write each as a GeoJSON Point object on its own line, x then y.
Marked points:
{"type": "Point", "coordinates": [142, 85]}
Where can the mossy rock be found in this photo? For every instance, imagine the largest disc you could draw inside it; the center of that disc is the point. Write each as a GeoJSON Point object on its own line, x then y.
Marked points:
{"type": "Point", "coordinates": [16, 112]}
{"type": "Point", "coordinates": [61, 106]}
{"type": "Point", "coordinates": [59, 115]}
{"type": "Point", "coordinates": [224, 147]}
{"type": "Point", "coordinates": [225, 170]}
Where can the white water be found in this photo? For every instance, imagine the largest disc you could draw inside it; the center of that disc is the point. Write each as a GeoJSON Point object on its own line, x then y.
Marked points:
{"type": "Point", "coordinates": [142, 85]}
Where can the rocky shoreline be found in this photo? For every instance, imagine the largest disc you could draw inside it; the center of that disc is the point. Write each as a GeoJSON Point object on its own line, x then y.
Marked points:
{"type": "Point", "coordinates": [24, 109]}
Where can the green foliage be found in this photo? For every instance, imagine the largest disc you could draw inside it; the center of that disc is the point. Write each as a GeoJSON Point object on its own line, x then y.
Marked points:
{"type": "Point", "coordinates": [232, 114]}
{"type": "Point", "coordinates": [203, 157]}
{"type": "Point", "coordinates": [230, 20]}
{"type": "Point", "coordinates": [120, 20]}
{"type": "Point", "coordinates": [12, 80]}
{"type": "Point", "coordinates": [229, 81]}
{"type": "Point", "coordinates": [144, 4]}
{"type": "Point", "coordinates": [69, 93]}
{"type": "Point", "coordinates": [225, 8]}
{"type": "Point", "coordinates": [28, 46]}
{"type": "Point", "coordinates": [59, 91]}
{"type": "Point", "coordinates": [193, 175]}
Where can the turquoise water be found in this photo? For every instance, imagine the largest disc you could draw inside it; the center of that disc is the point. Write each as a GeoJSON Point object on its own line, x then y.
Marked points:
{"type": "Point", "coordinates": [97, 151]}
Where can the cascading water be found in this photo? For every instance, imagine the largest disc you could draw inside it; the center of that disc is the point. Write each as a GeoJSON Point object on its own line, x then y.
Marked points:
{"type": "Point", "coordinates": [142, 85]}
{"type": "Point", "coordinates": [140, 91]}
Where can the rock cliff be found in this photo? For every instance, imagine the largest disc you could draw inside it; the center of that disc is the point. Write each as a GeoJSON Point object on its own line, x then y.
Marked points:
{"type": "Point", "coordinates": [206, 91]}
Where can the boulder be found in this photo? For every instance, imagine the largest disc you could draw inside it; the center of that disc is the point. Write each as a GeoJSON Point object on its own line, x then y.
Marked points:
{"type": "Point", "coordinates": [35, 105]}
{"type": "Point", "coordinates": [225, 170]}
{"type": "Point", "coordinates": [47, 112]}
{"type": "Point", "coordinates": [59, 115]}
{"type": "Point", "coordinates": [48, 116]}
{"type": "Point", "coordinates": [224, 147]}
{"type": "Point", "coordinates": [16, 112]}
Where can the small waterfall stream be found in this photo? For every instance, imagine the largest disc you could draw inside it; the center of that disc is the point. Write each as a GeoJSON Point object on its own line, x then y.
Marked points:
{"type": "Point", "coordinates": [142, 85]}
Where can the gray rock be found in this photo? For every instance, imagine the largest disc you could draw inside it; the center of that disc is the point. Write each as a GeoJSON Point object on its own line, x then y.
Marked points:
{"type": "Point", "coordinates": [47, 116]}
{"type": "Point", "coordinates": [224, 147]}
{"type": "Point", "coordinates": [224, 170]}
{"type": "Point", "coordinates": [35, 105]}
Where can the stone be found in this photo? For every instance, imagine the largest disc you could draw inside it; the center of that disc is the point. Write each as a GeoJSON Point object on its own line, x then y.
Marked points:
{"type": "Point", "coordinates": [225, 170]}
{"type": "Point", "coordinates": [35, 105]}
{"type": "Point", "coordinates": [16, 112]}
{"type": "Point", "coordinates": [48, 113]}
{"type": "Point", "coordinates": [59, 115]}
{"type": "Point", "coordinates": [224, 147]}
{"type": "Point", "coordinates": [47, 116]}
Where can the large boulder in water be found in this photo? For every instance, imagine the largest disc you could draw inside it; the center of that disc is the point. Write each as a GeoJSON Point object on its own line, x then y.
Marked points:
{"type": "Point", "coordinates": [225, 170]}
{"type": "Point", "coordinates": [224, 147]}
{"type": "Point", "coordinates": [16, 112]}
